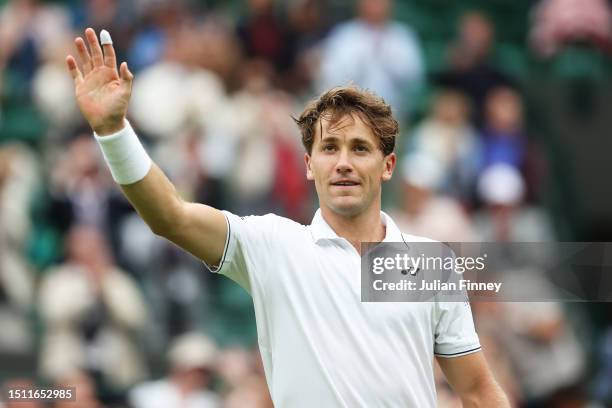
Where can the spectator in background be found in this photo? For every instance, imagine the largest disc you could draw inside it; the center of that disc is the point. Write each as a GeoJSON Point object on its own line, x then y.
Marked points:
{"type": "Point", "coordinates": [51, 90]}
{"type": "Point", "coordinates": [191, 358]}
{"type": "Point", "coordinates": [148, 45]}
{"type": "Point", "coordinates": [114, 15]}
{"type": "Point", "coordinates": [19, 48]}
{"type": "Point", "coordinates": [425, 212]}
{"type": "Point", "coordinates": [470, 69]}
{"type": "Point", "coordinates": [263, 35]}
{"type": "Point", "coordinates": [506, 217]}
{"type": "Point", "coordinates": [375, 53]}
{"type": "Point", "coordinates": [268, 166]}
{"type": "Point", "coordinates": [92, 312]}
{"type": "Point", "coordinates": [18, 179]}
{"type": "Point", "coordinates": [504, 139]}
{"type": "Point", "coordinates": [28, 30]}
{"type": "Point", "coordinates": [178, 293]}
{"type": "Point", "coordinates": [84, 388]}
{"type": "Point", "coordinates": [541, 344]}
{"type": "Point", "coordinates": [557, 23]}
{"type": "Point", "coordinates": [81, 191]}
{"type": "Point", "coordinates": [308, 25]}
{"type": "Point", "coordinates": [82, 182]}
{"type": "Point", "coordinates": [187, 91]}
{"type": "Point", "coordinates": [447, 136]}
{"type": "Point", "coordinates": [181, 102]}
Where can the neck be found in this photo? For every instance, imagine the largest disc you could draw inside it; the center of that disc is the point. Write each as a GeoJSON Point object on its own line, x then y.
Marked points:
{"type": "Point", "coordinates": [363, 227]}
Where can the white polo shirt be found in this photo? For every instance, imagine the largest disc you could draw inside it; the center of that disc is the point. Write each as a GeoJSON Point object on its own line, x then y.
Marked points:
{"type": "Point", "coordinates": [321, 346]}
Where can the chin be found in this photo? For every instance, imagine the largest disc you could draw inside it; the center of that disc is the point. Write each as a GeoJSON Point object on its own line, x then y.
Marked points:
{"type": "Point", "coordinates": [347, 206]}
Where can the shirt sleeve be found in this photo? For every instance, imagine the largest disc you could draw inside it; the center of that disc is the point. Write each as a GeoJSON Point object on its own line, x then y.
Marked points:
{"type": "Point", "coordinates": [455, 334]}
{"type": "Point", "coordinates": [248, 245]}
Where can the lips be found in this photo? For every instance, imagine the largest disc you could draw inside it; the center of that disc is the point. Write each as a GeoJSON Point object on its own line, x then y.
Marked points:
{"type": "Point", "coordinates": [345, 183]}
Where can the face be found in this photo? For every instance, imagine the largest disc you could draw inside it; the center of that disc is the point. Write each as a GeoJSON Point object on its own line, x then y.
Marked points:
{"type": "Point", "coordinates": [476, 33]}
{"type": "Point", "coordinates": [375, 11]}
{"type": "Point", "coordinates": [504, 110]}
{"type": "Point", "coordinates": [348, 167]}
{"type": "Point", "coordinates": [451, 109]}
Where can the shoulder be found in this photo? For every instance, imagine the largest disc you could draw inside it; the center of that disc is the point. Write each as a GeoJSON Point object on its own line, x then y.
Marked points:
{"type": "Point", "coordinates": [401, 29]}
{"type": "Point", "coordinates": [266, 220]}
{"type": "Point", "coordinates": [269, 225]}
{"type": "Point", "coordinates": [342, 30]}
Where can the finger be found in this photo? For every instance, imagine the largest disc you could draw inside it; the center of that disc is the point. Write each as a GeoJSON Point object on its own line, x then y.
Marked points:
{"type": "Point", "coordinates": [94, 46]}
{"type": "Point", "coordinates": [126, 75]}
{"type": "Point", "coordinates": [74, 69]}
{"type": "Point", "coordinates": [83, 55]}
{"type": "Point", "coordinates": [110, 60]}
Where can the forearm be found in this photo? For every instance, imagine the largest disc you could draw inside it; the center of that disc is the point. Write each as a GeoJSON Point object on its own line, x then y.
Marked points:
{"type": "Point", "coordinates": [143, 183]}
{"type": "Point", "coordinates": [487, 394]}
{"type": "Point", "coordinates": [156, 200]}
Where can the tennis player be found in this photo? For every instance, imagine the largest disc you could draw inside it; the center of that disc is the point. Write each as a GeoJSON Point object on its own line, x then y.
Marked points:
{"type": "Point", "coordinates": [321, 346]}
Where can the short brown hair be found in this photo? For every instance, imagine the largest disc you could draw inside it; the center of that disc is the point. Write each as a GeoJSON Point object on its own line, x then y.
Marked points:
{"type": "Point", "coordinates": [348, 100]}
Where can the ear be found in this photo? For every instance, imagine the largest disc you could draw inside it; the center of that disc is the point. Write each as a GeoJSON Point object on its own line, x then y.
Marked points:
{"type": "Point", "coordinates": [389, 162]}
{"type": "Point", "coordinates": [307, 161]}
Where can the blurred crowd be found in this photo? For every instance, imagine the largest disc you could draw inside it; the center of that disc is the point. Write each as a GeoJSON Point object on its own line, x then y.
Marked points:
{"type": "Point", "coordinates": [89, 297]}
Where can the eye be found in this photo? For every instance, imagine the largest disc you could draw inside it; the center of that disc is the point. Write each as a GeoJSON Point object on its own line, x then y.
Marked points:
{"type": "Point", "coordinates": [330, 147]}
{"type": "Point", "coordinates": [361, 148]}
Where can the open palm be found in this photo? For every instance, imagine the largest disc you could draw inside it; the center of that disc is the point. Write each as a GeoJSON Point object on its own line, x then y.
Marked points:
{"type": "Point", "coordinates": [102, 92]}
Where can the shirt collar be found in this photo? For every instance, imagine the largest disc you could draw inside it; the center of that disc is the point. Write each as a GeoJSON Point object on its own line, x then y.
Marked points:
{"type": "Point", "coordinates": [322, 231]}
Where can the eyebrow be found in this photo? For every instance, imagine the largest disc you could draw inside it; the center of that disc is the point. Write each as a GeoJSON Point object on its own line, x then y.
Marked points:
{"type": "Point", "coordinates": [354, 140]}
{"type": "Point", "coordinates": [329, 139]}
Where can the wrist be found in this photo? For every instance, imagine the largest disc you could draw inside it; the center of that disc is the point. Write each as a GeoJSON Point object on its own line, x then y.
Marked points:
{"type": "Point", "coordinates": [109, 128]}
{"type": "Point", "coordinates": [126, 158]}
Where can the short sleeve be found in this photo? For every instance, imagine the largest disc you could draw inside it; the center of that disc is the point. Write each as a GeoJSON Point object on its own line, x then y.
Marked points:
{"type": "Point", "coordinates": [249, 245]}
{"type": "Point", "coordinates": [455, 334]}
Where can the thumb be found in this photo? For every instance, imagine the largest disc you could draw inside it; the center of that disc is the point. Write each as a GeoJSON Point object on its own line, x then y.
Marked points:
{"type": "Point", "coordinates": [126, 75]}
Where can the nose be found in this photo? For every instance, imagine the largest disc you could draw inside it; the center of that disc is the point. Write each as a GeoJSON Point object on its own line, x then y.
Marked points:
{"type": "Point", "coordinates": [343, 165]}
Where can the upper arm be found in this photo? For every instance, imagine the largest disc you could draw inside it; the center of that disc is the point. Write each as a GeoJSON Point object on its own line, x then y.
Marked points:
{"type": "Point", "coordinates": [201, 230]}
{"type": "Point", "coordinates": [197, 228]}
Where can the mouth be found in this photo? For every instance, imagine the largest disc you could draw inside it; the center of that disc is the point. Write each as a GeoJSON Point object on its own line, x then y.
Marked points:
{"type": "Point", "coordinates": [345, 183]}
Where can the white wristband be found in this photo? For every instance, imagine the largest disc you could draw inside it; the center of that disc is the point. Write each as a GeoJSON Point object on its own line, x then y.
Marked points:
{"type": "Point", "coordinates": [126, 157]}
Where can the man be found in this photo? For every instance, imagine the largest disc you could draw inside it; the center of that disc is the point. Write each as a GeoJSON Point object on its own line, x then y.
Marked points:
{"type": "Point", "coordinates": [320, 345]}
{"type": "Point", "coordinates": [470, 69]}
{"type": "Point", "coordinates": [376, 53]}
{"type": "Point", "coordinates": [191, 358]}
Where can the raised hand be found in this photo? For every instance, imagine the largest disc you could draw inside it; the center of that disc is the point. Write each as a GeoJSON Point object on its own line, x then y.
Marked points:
{"type": "Point", "coordinates": [102, 93]}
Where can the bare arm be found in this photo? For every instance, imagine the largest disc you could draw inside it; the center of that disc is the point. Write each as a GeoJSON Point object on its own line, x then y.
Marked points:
{"type": "Point", "coordinates": [197, 228]}
{"type": "Point", "coordinates": [103, 95]}
{"type": "Point", "coordinates": [472, 380]}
